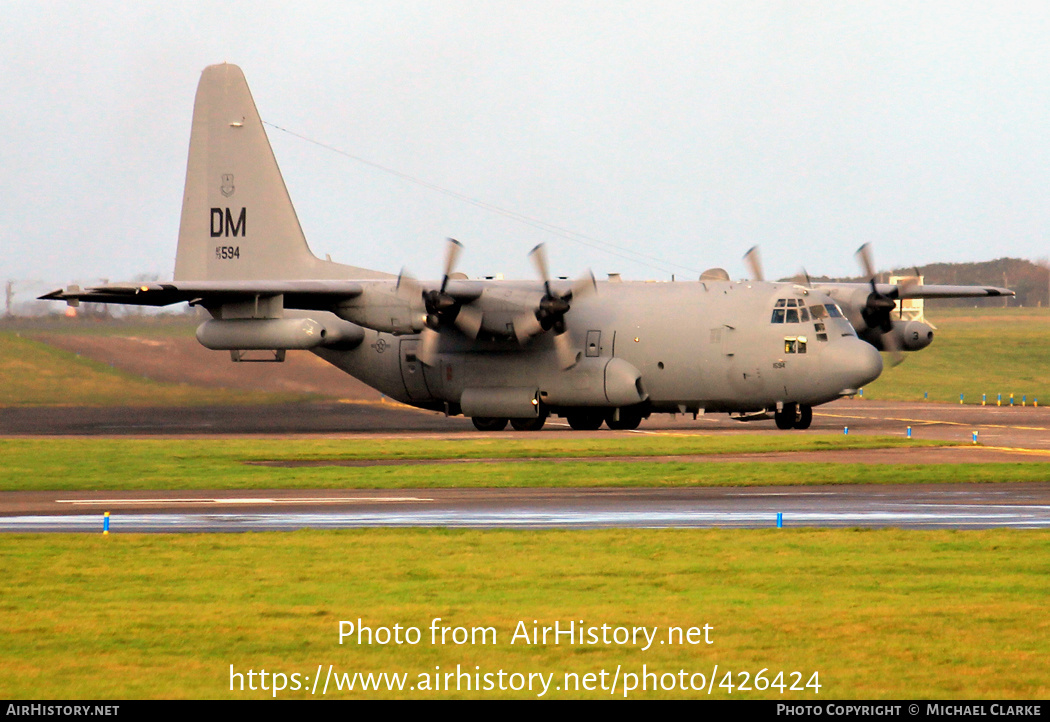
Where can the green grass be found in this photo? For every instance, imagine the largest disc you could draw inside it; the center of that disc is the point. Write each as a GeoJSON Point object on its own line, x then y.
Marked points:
{"type": "Point", "coordinates": [71, 464]}
{"type": "Point", "coordinates": [35, 374]}
{"type": "Point", "coordinates": [879, 614]}
{"type": "Point", "coordinates": [975, 351]}
{"type": "Point", "coordinates": [161, 326]}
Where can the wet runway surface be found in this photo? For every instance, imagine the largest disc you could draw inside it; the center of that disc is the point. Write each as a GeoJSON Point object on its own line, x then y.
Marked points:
{"type": "Point", "coordinates": [955, 506]}
{"type": "Point", "coordinates": [1006, 435]}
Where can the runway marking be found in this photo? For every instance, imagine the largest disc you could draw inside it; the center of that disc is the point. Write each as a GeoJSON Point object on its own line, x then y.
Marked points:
{"type": "Point", "coordinates": [1011, 507]}
{"type": "Point", "coordinates": [937, 516]}
{"type": "Point", "coordinates": [788, 493]}
{"type": "Point", "coordinates": [1019, 450]}
{"type": "Point", "coordinates": [931, 422]}
{"type": "Point", "coordinates": [258, 500]}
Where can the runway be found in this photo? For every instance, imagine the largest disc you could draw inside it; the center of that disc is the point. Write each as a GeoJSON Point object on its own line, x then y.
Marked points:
{"type": "Point", "coordinates": [1012, 427]}
{"type": "Point", "coordinates": [1006, 435]}
{"type": "Point", "coordinates": [954, 506]}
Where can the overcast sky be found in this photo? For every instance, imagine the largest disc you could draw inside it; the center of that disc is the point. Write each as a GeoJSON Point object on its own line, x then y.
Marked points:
{"type": "Point", "coordinates": [670, 136]}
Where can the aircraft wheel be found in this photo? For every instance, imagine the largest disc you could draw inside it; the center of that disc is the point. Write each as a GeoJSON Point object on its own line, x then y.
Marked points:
{"type": "Point", "coordinates": [528, 424]}
{"type": "Point", "coordinates": [628, 421]}
{"type": "Point", "coordinates": [785, 419]}
{"type": "Point", "coordinates": [485, 423]}
{"type": "Point", "coordinates": [585, 421]}
{"type": "Point", "coordinates": [805, 416]}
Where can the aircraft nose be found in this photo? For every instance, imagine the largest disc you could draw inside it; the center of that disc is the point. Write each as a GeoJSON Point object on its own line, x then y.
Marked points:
{"type": "Point", "coordinates": [857, 363]}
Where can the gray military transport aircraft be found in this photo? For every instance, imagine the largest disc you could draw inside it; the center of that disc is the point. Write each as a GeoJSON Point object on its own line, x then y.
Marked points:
{"type": "Point", "coordinates": [498, 351]}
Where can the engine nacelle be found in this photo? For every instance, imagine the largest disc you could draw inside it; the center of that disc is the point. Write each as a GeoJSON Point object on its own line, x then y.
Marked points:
{"type": "Point", "coordinates": [261, 334]}
{"type": "Point", "coordinates": [910, 336]}
{"type": "Point", "coordinates": [913, 335]}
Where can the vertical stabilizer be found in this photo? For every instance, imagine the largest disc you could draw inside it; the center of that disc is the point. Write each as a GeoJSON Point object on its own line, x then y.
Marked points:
{"type": "Point", "coordinates": [238, 223]}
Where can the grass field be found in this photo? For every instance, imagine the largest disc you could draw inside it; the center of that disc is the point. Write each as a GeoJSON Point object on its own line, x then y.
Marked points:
{"type": "Point", "coordinates": [885, 614]}
{"type": "Point", "coordinates": [147, 326]}
{"type": "Point", "coordinates": [35, 374]}
{"type": "Point", "coordinates": [976, 351]}
{"type": "Point", "coordinates": [70, 464]}
{"type": "Point", "coordinates": [878, 614]}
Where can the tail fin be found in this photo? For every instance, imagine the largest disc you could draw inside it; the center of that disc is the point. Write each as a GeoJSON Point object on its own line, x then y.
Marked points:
{"type": "Point", "coordinates": [238, 223]}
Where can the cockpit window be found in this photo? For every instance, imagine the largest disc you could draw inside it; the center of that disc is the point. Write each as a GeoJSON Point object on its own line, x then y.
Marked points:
{"type": "Point", "coordinates": [793, 310]}
{"type": "Point", "coordinates": [833, 310]}
{"type": "Point", "coordinates": [789, 310]}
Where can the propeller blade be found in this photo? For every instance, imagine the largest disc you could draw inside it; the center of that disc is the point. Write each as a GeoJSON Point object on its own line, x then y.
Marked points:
{"type": "Point", "coordinates": [468, 320]}
{"type": "Point", "coordinates": [408, 287]}
{"type": "Point", "coordinates": [863, 255]}
{"type": "Point", "coordinates": [809, 281]}
{"type": "Point", "coordinates": [754, 263]}
{"type": "Point", "coordinates": [452, 250]}
{"type": "Point", "coordinates": [451, 256]}
{"type": "Point", "coordinates": [539, 259]}
{"type": "Point", "coordinates": [567, 354]}
{"type": "Point", "coordinates": [526, 326]}
{"type": "Point", "coordinates": [892, 346]}
{"type": "Point", "coordinates": [908, 285]}
{"type": "Point", "coordinates": [428, 349]}
{"type": "Point", "coordinates": [584, 286]}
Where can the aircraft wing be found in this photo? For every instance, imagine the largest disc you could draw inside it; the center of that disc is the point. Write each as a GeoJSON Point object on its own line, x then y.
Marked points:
{"type": "Point", "coordinates": [904, 290]}
{"type": "Point", "coordinates": [308, 295]}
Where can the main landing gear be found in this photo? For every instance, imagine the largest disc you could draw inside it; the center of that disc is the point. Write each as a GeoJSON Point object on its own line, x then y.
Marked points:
{"type": "Point", "coordinates": [624, 419]}
{"type": "Point", "coordinates": [794, 416]}
{"type": "Point", "coordinates": [485, 423]}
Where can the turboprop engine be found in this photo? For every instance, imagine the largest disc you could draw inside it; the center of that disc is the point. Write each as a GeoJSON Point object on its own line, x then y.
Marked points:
{"type": "Point", "coordinates": [906, 336]}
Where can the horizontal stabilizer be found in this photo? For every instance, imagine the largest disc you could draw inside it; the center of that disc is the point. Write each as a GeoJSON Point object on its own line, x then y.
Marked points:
{"type": "Point", "coordinates": [308, 295]}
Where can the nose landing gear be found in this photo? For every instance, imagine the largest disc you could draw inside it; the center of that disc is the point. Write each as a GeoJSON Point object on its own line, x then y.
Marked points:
{"type": "Point", "coordinates": [794, 416]}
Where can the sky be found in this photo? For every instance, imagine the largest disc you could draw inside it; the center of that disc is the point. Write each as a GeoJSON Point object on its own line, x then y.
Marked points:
{"type": "Point", "coordinates": [644, 138]}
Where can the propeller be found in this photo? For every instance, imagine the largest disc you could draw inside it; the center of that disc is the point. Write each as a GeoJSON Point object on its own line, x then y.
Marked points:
{"type": "Point", "coordinates": [442, 309]}
{"type": "Point", "coordinates": [754, 263]}
{"type": "Point", "coordinates": [878, 309]}
{"type": "Point", "coordinates": [550, 314]}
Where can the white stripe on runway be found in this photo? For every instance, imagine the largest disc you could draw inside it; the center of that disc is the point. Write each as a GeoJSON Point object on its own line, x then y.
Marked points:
{"type": "Point", "coordinates": [247, 500]}
{"type": "Point", "coordinates": [962, 517]}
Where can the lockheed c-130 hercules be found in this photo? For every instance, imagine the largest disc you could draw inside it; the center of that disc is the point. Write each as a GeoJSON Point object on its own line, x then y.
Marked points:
{"type": "Point", "coordinates": [499, 351]}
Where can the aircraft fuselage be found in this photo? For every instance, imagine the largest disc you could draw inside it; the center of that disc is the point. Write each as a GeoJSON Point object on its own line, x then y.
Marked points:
{"type": "Point", "coordinates": [668, 347]}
